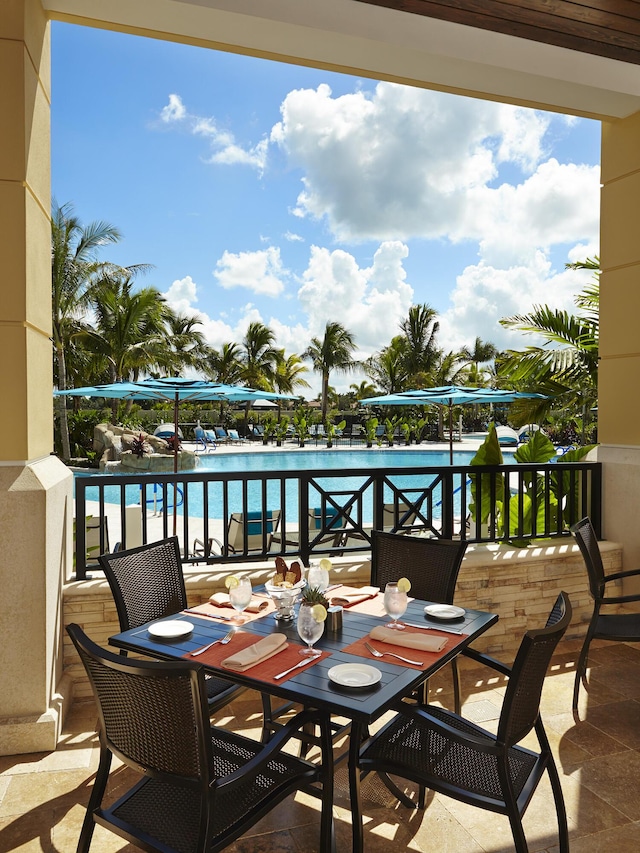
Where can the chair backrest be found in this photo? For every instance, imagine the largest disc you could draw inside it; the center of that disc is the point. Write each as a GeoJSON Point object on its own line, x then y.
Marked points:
{"type": "Point", "coordinates": [521, 705]}
{"type": "Point", "coordinates": [260, 529]}
{"type": "Point", "coordinates": [327, 519]}
{"type": "Point", "coordinates": [220, 432]}
{"type": "Point", "coordinates": [153, 716]}
{"type": "Point", "coordinates": [432, 565]}
{"type": "Point", "coordinates": [147, 582]}
{"type": "Point", "coordinates": [587, 541]}
{"type": "Point", "coordinates": [233, 434]}
{"type": "Point", "coordinates": [398, 516]}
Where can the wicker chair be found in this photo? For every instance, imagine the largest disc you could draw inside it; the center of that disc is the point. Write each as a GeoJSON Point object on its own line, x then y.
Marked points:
{"type": "Point", "coordinates": [443, 751]}
{"type": "Point", "coordinates": [201, 787]}
{"type": "Point", "coordinates": [432, 566]}
{"type": "Point", "coordinates": [147, 583]}
{"type": "Point", "coordinates": [620, 627]}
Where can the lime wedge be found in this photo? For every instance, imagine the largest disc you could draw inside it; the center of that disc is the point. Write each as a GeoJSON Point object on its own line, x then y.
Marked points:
{"type": "Point", "coordinates": [404, 584]}
{"type": "Point", "coordinates": [231, 582]}
{"type": "Point", "coordinates": [319, 612]}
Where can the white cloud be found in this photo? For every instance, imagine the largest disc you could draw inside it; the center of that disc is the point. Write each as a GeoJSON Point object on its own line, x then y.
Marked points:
{"type": "Point", "coordinates": [261, 271]}
{"type": "Point", "coordinates": [224, 148]}
{"type": "Point", "coordinates": [293, 238]}
{"type": "Point", "coordinates": [400, 162]}
{"type": "Point", "coordinates": [181, 294]}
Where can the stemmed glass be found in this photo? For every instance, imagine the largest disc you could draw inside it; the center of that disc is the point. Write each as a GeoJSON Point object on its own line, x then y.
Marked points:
{"type": "Point", "coordinates": [240, 596]}
{"type": "Point", "coordinates": [309, 629]}
{"type": "Point", "coordinates": [395, 604]}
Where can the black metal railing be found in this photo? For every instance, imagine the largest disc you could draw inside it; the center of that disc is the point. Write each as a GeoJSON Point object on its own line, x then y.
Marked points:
{"type": "Point", "coordinates": [240, 516]}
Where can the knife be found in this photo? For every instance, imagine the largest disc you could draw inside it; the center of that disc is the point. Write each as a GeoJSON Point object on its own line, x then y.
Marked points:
{"type": "Point", "coordinates": [297, 666]}
{"type": "Point", "coordinates": [433, 628]}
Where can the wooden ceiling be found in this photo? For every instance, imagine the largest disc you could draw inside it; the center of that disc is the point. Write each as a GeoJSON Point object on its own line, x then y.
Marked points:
{"type": "Point", "coordinates": [609, 28]}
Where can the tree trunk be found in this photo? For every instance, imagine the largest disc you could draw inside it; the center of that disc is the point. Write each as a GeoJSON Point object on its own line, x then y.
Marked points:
{"type": "Point", "coordinates": [63, 421]}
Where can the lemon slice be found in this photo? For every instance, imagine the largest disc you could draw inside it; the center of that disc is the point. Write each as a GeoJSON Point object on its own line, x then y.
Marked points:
{"type": "Point", "coordinates": [325, 564]}
{"type": "Point", "coordinates": [231, 582]}
{"type": "Point", "coordinates": [319, 612]}
{"type": "Point", "coordinates": [404, 584]}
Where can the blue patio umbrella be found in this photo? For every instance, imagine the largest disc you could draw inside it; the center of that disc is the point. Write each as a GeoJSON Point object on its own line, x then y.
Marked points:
{"type": "Point", "coordinates": [449, 395]}
{"type": "Point", "coordinates": [175, 389]}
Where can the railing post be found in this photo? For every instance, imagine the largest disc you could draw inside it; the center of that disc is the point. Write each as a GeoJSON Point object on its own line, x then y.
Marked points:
{"type": "Point", "coordinates": [447, 504]}
{"type": "Point", "coordinates": [303, 520]}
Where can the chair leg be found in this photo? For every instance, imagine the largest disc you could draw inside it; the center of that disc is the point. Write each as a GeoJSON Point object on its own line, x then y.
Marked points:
{"type": "Point", "coordinates": [455, 674]}
{"type": "Point", "coordinates": [581, 670]}
{"type": "Point", "coordinates": [561, 812]}
{"type": "Point", "coordinates": [99, 786]}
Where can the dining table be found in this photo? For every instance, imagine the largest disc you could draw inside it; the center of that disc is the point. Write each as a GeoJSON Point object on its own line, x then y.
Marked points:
{"type": "Point", "coordinates": [379, 682]}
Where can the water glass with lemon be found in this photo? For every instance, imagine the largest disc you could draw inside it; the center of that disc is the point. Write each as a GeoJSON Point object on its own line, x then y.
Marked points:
{"type": "Point", "coordinates": [239, 594]}
{"type": "Point", "coordinates": [396, 601]}
{"type": "Point", "coordinates": [318, 574]}
{"type": "Point", "coordinates": [311, 618]}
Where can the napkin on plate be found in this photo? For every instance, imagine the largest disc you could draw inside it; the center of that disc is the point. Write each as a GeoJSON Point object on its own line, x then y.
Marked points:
{"type": "Point", "coordinates": [351, 598]}
{"type": "Point", "coordinates": [262, 650]}
{"type": "Point", "coordinates": [221, 599]}
{"type": "Point", "coordinates": [409, 640]}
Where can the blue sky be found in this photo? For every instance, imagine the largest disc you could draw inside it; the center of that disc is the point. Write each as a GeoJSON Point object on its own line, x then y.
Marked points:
{"type": "Point", "coordinates": [265, 191]}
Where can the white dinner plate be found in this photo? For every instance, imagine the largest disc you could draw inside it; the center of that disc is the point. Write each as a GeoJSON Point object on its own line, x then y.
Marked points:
{"type": "Point", "coordinates": [171, 629]}
{"type": "Point", "coordinates": [354, 674]}
{"type": "Point", "coordinates": [443, 611]}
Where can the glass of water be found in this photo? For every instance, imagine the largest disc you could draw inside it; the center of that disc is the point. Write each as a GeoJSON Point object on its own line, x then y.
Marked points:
{"type": "Point", "coordinates": [309, 629]}
{"type": "Point", "coordinates": [317, 578]}
{"type": "Point", "coordinates": [395, 604]}
{"type": "Point", "coordinates": [240, 596]}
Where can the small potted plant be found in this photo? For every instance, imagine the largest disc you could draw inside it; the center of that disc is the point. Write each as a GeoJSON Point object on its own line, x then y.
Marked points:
{"type": "Point", "coordinates": [370, 428]}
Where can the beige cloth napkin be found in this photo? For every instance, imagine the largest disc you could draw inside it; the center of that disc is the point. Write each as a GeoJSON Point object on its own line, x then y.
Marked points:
{"type": "Point", "coordinates": [262, 650]}
{"type": "Point", "coordinates": [424, 642]}
{"type": "Point", "coordinates": [348, 599]}
{"type": "Point", "coordinates": [221, 599]}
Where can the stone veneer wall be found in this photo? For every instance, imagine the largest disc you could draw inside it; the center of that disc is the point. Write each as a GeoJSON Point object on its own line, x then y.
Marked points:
{"type": "Point", "coordinates": [518, 584]}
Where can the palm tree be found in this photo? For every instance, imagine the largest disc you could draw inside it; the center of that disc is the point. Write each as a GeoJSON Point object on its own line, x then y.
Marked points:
{"type": "Point", "coordinates": [363, 390]}
{"type": "Point", "coordinates": [333, 352]}
{"type": "Point", "coordinates": [566, 371]}
{"type": "Point", "coordinates": [185, 345]}
{"type": "Point", "coordinates": [388, 368]}
{"type": "Point", "coordinates": [420, 330]}
{"type": "Point", "coordinates": [288, 376]}
{"type": "Point", "coordinates": [481, 353]}
{"type": "Point", "coordinates": [224, 365]}
{"type": "Point", "coordinates": [73, 263]}
{"type": "Point", "coordinates": [259, 359]}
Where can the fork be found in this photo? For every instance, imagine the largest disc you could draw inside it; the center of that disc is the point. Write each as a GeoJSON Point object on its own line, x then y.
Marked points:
{"type": "Point", "coordinates": [378, 654]}
{"type": "Point", "coordinates": [223, 642]}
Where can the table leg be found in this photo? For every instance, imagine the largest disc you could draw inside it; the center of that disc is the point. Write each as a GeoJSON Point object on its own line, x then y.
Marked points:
{"type": "Point", "coordinates": [358, 731]}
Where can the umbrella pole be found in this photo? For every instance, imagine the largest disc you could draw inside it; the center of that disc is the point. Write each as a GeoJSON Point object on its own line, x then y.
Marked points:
{"type": "Point", "coordinates": [450, 435]}
{"type": "Point", "coordinates": [175, 463]}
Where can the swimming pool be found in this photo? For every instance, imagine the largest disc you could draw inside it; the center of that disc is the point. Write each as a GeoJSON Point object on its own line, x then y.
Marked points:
{"type": "Point", "coordinates": [284, 461]}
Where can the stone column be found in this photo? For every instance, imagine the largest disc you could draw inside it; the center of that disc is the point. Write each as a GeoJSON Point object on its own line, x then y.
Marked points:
{"type": "Point", "coordinates": [619, 372]}
{"type": "Point", "coordinates": [35, 488]}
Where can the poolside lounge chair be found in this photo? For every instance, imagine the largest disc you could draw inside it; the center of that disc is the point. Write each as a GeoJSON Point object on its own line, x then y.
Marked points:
{"type": "Point", "coordinates": [96, 539]}
{"type": "Point", "coordinates": [507, 437]}
{"type": "Point", "coordinates": [396, 518]}
{"type": "Point", "coordinates": [254, 536]}
{"type": "Point", "coordinates": [222, 436]}
{"type": "Point", "coordinates": [235, 438]}
{"type": "Point", "coordinates": [324, 528]}
{"type": "Point", "coordinates": [167, 431]}
{"type": "Point", "coordinates": [205, 437]}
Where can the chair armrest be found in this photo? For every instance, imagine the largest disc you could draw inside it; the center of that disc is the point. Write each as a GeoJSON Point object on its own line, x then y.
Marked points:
{"type": "Point", "coordinates": [487, 660]}
{"type": "Point", "coordinates": [273, 747]}
{"type": "Point", "coordinates": [621, 575]}
{"type": "Point", "coordinates": [620, 599]}
{"type": "Point", "coordinates": [481, 743]}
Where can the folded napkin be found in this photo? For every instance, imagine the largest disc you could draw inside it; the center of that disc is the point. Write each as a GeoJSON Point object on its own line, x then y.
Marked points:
{"type": "Point", "coordinates": [221, 599]}
{"type": "Point", "coordinates": [262, 650]}
{"type": "Point", "coordinates": [409, 640]}
{"type": "Point", "coordinates": [348, 599]}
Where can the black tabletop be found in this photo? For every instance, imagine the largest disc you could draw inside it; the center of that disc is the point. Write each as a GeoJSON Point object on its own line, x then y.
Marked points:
{"type": "Point", "coordinates": [311, 685]}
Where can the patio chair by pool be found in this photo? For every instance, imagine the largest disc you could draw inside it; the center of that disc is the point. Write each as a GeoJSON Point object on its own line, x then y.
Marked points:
{"type": "Point", "coordinates": [205, 437]}
{"type": "Point", "coordinates": [396, 518]}
{"type": "Point", "coordinates": [147, 583]}
{"type": "Point", "coordinates": [619, 627]}
{"type": "Point", "coordinates": [507, 437]}
{"type": "Point", "coordinates": [235, 438]}
{"type": "Point", "coordinates": [444, 752]}
{"type": "Point", "coordinates": [222, 437]}
{"type": "Point", "coordinates": [253, 537]}
{"type": "Point", "coordinates": [96, 538]}
{"type": "Point", "coordinates": [324, 528]}
{"type": "Point", "coordinates": [197, 787]}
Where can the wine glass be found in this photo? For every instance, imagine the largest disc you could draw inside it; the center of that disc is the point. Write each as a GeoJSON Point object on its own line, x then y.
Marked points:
{"type": "Point", "coordinates": [309, 629]}
{"type": "Point", "coordinates": [317, 577]}
{"type": "Point", "coordinates": [240, 596]}
{"type": "Point", "coordinates": [395, 604]}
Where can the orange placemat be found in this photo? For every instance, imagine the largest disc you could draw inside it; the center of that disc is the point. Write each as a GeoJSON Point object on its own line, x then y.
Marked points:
{"type": "Point", "coordinates": [264, 671]}
{"type": "Point", "coordinates": [209, 609]}
{"type": "Point", "coordinates": [427, 658]}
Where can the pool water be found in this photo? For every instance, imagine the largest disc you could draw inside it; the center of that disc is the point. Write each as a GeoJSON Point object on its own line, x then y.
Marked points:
{"type": "Point", "coordinates": [288, 461]}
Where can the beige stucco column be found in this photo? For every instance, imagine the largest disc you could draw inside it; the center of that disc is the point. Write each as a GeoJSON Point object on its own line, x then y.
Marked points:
{"type": "Point", "coordinates": [619, 372]}
{"type": "Point", "coordinates": [35, 488]}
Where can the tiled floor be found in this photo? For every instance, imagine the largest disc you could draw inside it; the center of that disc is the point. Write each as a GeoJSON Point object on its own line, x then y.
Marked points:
{"type": "Point", "coordinates": [42, 796]}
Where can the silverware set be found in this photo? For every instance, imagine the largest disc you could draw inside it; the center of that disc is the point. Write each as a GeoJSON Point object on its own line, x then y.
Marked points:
{"type": "Point", "coordinates": [378, 654]}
